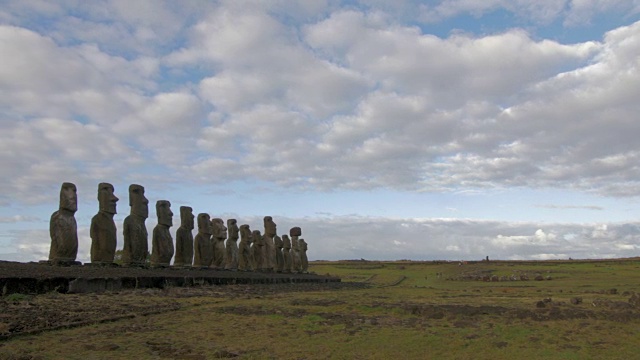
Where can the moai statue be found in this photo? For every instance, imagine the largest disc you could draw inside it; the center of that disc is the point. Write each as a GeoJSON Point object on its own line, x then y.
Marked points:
{"type": "Point", "coordinates": [257, 248]}
{"type": "Point", "coordinates": [184, 239]}
{"type": "Point", "coordinates": [103, 229]}
{"type": "Point", "coordinates": [203, 249]}
{"type": "Point", "coordinates": [218, 236]}
{"type": "Point", "coordinates": [277, 241]}
{"type": "Point", "coordinates": [304, 262]}
{"type": "Point", "coordinates": [162, 242]}
{"type": "Point", "coordinates": [231, 255]}
{"type": "Point", "coordinates": [286, 253]}
{"type": "Point", "coordinates": [269, 253]}
{"type": "Point", "coordinates": [296, 267]}
{"type": "Point", "coordinates": [63, 228]}
{"type": "Point", "coordinates": [244, 249]}
{"type": "Point", "coordinates": [136, 246]}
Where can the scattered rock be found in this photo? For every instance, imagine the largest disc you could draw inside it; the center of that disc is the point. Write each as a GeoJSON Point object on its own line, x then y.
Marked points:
{"type": "Point", "coordinates": [540, 304]}
{"type": "Point", "coordinates": [576, 300]}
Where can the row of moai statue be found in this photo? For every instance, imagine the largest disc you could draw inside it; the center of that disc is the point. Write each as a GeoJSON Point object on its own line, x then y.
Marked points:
{"type": "Point", "coordinates": [211, 247]}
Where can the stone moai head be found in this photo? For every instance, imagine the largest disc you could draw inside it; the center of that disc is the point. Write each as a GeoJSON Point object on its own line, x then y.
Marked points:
{"type": "Point", "coordinates": [232, 228]}
{"type": "Point", "coordinates": [204, 224]}
{"type": "Point", "coordinates": [219, 230]}
{"type": "Point", "coordinates": [269, 227]}
{"type": "Point", "coordinates": [165, 215]}
{"type": "Point", "coordinates": [256, 236]}
{"type": "Point", "coordinates": [106, 198]}
{"type": "Point", "coordinates": [138, 202]}
{"type": "Point", "coordinates": [295, 231]}
{"type": "Point", "coordinates": [68, 197]}
{"type": "Point", "coordinates": [286, 241]}
{"type": "Point", "coordinates": [245, 232]}
{"type": "Point", "coordinates": [186, 217]}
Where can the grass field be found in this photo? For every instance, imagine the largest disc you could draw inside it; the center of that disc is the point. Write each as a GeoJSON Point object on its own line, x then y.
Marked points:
{"type": "Point", "coordinates": [385, 310]}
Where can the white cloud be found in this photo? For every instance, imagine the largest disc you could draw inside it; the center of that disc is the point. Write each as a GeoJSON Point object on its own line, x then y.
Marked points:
{"type": "Point", "coordinates": [355, 237]}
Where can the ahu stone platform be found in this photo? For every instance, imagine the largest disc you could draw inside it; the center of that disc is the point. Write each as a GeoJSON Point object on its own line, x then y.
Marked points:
{"type": "Point", "coordinates": [38, 278]}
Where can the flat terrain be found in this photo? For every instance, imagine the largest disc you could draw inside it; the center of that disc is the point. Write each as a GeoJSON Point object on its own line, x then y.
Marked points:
{"type": "Point", "coordinates": [380, 310]}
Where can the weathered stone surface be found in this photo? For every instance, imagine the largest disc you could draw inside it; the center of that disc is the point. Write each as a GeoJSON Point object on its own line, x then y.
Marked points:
{"type": "Point", "coordinates": [136, 246]}
{"type": "Point", "coordinates": [184, 238]}
{"type": "Point", "coordinates": [269, 252]}
{"type": "Point", "coordinates": [295, 231]}
{"type": "Point", "coordinates": [162, 243]}
{"type": "Point", "coordinates": [286, 254]}
{"type": "Point", "coordinates": [304, 262]}
{"type": "Point", "coordinates": [257, 248]}
{"type": "Point", "coordinates": [63, 228]}
{"type": "Point", "coordinates": [231, 255]}
{"type": "Point", "coordinates": [244, 249]}
{"type": "Point", "coordinates": [296, 261]}
{"type": "Point", "coordinates": [203, 249]}
{"type": "Point", "coordinates": [218, 236]}
{"type": "Point", "coordinates": [277, 241]}
{"type": "Point", "coordinates": [103, 230]}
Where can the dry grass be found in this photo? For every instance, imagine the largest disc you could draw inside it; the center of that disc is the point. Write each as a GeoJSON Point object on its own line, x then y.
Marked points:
{"type": "Point", "coordinates": [423, 316]}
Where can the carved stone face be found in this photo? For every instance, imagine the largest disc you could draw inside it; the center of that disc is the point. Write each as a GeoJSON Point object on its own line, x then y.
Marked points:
{"type": "Point", "coordinates": [232, 226]}
{"type": "Point", "coordinates": [138, 202]}
{"type": "Point", "coordinates": [204, 224]}
{"type": "Point", "coordinates": [219, 230]}
{"type": "Point", "coordinates": [256, 237]}
{"type": "Point", "coordinates": [186, 217]}
{"type": "Point", "coordinates": [165, 215]}
{"type": "Point", "coordinates": [69, 197]}
{"type": "Point", "coordinates": [269, 227]}
{"type": "Point", "coordinates": [245, 232]}
{"type": "Point", "coordinates": [106, 198]}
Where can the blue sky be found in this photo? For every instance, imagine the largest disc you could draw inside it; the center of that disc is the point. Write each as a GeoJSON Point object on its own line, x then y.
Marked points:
{"type": "Point", "coordinates": [424, 130]}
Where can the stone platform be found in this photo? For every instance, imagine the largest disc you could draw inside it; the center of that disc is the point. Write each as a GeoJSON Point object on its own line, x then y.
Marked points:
{"type": "Point", "coordinates": [38, 278]}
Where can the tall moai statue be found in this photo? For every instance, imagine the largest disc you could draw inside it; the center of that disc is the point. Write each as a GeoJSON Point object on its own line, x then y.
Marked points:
{"type": "Point", "coordinates": [203, 249]}
{"type": "Point", "coordinates": [304, 262]}
{"type": "Point", "coordinates": [295, 233]}
{"type": "Point", "coordinates": [269, 253]}
{"type": "Point", "coordinates": [231, 255]}
{"type": "Point", "coordinates": [184, 239]}
{"type": "Point", "coordinates": [161, 241]}
{"type": "Point", "coordinates": [257, 249]}
{"type": "Point", "coordinates": [286, 253]}
{"type": "Point", "coordinates": [218, 236]}
{"type": "Point", "coordinates": [277, 242]}
{"type": "Point", "coordinates": [244, 249]}
{"type": "Point", "coordinates": [103, 230]}
{"type": "Point", "coordinates": [63, 228]}
{"type": "Point", "coordinates": [136, 246]}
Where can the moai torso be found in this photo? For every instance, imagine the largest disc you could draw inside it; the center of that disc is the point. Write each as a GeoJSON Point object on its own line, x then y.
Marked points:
{"type": "Point", "coordinates": [103, 230]}
{"type": "Point", "coordinates": [295, 232]}
{"type": "Point", "coordinates": [286, 254]}
{"type": "Point", "coordinates": [184, 238]}
{"type": "Point", "coordinates": [269, 251]}
{"type": "Point", "coordinates": [304, 262]}
{"type": "Point", "coordinates": [277, 242]}
{"type": "Point", "coordinates": [244, 249]}
{"type": "Point", "coordinates": [135, 237]}
{"type": "Point", "coordinates": [257, 249]}
{"type": "Point", "coordinates": [63, 228]}
{"type": "Point", "coordinates": [231, 257]}
{"type": "Point", "coordinates": [203, 249]}
{"type": "Point", "coordinates": [136, 245]}
{"type": "Point", "coordinates": [162, 243]}
{"type": "Point", "coordinates": [218, 237]}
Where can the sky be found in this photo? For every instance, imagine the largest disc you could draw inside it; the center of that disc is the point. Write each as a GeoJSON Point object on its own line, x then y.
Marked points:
{"type": "Point", "coordinates": [422, 130]}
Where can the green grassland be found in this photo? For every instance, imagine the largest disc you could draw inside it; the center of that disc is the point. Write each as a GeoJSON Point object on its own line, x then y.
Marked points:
{"type": "Point", "coordinates": [385, 310]}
